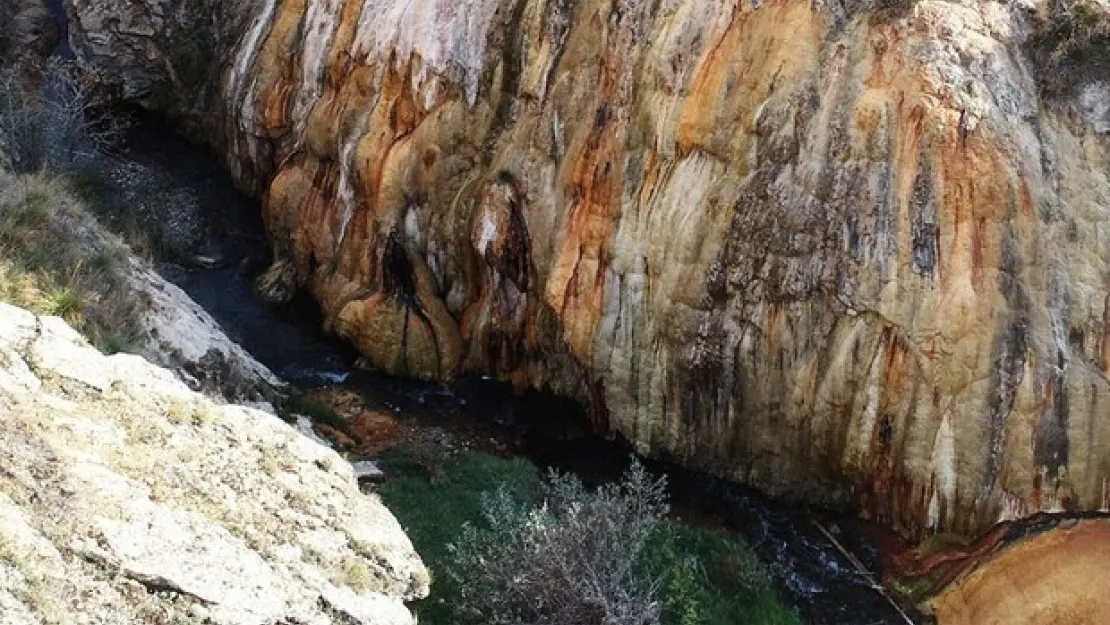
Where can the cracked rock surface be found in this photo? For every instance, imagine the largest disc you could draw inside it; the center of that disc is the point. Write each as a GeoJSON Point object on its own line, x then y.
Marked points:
{"type": "Point", "coordinates": [125, 497]}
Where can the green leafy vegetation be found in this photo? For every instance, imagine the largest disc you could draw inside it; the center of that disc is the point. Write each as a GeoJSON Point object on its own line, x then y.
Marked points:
{"type": "Point", "coordinates": [698, 577]}
{"type": "Point", "coordinates": [713, 580]}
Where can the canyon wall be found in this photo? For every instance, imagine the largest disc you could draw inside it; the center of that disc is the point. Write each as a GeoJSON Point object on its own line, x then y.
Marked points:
{"type": "Point", "coordinates": [847, 252]}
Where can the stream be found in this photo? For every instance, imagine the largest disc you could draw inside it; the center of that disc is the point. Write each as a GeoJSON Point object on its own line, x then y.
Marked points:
{"type": "Point", "coordinates": [811, 574]}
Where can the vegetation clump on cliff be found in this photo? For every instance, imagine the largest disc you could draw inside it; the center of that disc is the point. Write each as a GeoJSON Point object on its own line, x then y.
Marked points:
{"type": "Point", "coordinates": [54, 257]}
{"type": "Point", "coordinates": [1072, 44]}
{"type": "Point", "coordinates": [53, 260]}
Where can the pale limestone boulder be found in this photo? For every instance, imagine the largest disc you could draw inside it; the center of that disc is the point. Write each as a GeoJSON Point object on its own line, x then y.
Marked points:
{"type": "Point", "coordinates": [179, 334]}
{"type": "Point", "coordinates": [125, 497]}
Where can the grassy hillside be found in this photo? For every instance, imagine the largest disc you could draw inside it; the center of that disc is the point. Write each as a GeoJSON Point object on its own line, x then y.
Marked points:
{"type": "Point", "coordinates": [56, 260]}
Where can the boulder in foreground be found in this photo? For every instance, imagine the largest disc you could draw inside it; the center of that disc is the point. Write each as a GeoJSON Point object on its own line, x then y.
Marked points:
{"type": "Point", "coordinates": [125, 497]}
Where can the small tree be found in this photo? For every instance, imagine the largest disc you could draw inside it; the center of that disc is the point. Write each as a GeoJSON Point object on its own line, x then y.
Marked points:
{"type": "Point", "coordinates": [574, 559]}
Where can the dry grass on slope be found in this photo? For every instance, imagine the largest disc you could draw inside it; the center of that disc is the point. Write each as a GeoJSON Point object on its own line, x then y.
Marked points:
{"type": "Point", "coordinates": [56, 260]}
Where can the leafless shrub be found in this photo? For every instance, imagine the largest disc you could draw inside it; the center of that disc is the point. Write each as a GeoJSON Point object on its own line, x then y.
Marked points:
{"type": "Point", "coordinates": [430, 449]}
{"type": "Point", "coordinates": [573, 560]}
{"type": "Point", "coordinates": [52, 122]}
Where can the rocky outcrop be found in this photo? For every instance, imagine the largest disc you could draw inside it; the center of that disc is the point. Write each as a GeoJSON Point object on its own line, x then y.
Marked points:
{"type": "Point", "coordinates": [180, 335]}
{"type": "Point", "coordinates": [125, 497]}
{"type": "Point", "coordinates": [848, 252]}
{"type": "Point", "coordinates": [27, 31]}
{"type": "Point", "coordinates": [1051, 578]}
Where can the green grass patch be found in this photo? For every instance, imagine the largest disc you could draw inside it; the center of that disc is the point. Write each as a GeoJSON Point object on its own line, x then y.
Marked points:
{"type": "Point", "coordinates": [55, 260]}
{"type": "Point", "coordinates": [433, 511]}
{"type": "Point", "coordinates": [711, 579]}
{"type": "Point", "coordinates": [66, 303]}
{"type": "Point", "coordinates": [297, 403]}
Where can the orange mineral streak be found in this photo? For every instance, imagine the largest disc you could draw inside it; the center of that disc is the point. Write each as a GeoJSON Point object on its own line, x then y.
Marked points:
{"type": "Point", "coordinates": [577, 280]}
{"type": "Point", "coordinates": [775, 45]}
{"type": "Point", "coordinates": [274, 73]}
{"type": "Point", "coordinates": [1058, 577]}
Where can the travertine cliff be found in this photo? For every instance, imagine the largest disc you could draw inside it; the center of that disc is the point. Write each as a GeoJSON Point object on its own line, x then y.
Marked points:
{"type": "Point", "coordinates": [842, 251]}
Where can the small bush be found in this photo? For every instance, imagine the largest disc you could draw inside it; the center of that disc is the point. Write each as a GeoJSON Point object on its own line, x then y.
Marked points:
{"type": "Point", "coordinates": [65, 303]}
{"type": "Point", "coordinates": [1072, 44]}
{"type": "Point", "coordinates": [702, 577]}
{"type": "Point", "coordinates": [55, 125]}
{"type": "Point", "coordinates": [572, 560]}
{"type": "Point", "coordinates": [430, 449]}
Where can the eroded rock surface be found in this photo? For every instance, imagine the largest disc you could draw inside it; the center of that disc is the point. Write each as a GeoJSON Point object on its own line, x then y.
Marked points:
{"type": "Point", "coordinates": [125, 497]}
{"type": "Point", "coordinates": [848, 252]}
{"type": "Point", "coordinates": [179, 334]}
{"type": "Point", "coordinates": [1053, 578]}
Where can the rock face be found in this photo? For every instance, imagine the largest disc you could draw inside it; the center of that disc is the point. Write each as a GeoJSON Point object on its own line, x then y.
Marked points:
{"type": "Point", "coordinates": [1054, 578]}
{"type": "Point", "coordinates": [125, 497]}
{"type": "Point", "coordinates": [848, 252]}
